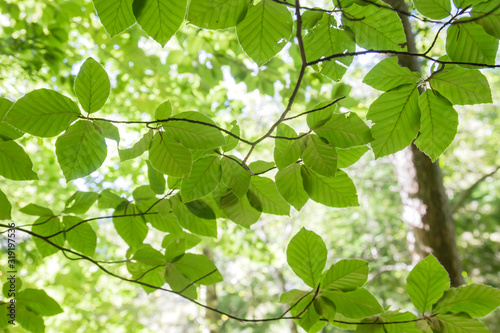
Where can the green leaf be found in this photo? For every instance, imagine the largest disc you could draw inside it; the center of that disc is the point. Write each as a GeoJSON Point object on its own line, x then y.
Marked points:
{"type": "Point", "coordinates": [156, 179]}
{"type": "Point", "coordinates": [325, 40]}
{"type": "Point", "coordinates": [5, 207]}
{"type": "Point", "coordinates": [320, 156]}
{"type": "Point", "coordinates": [169, 157]}
{"type": "Point", "coordinates": [467, 3]}
{"type": "Point", "coordinates": [451, 323]}
{"type": "Point", "coordinates": [138, 149]}
{"type": "Point", "coordinates": [306, 255]}
{"type": "Point", "coordinates": [131, 229]}
{"type": "Point", "coordinates": [426, 283]}
{"type": "Point", "coordinates": [15, 164]}
{"type": "Point", "coordinates": [178, 282]}
{"type": "Point", "coordinates": [265, 30]}
{"type": "Point", "coordinates": [107, 199]}
{"type": "Point", "coordinates": [47, 226]}
{"type": "Point", "coordinates": [434, 9]}
{"type": "Point", "coordinates": [318, 118]}
{"type": "Point", "coordinates": [92, 86]}
{"type": "Point", "coordinates": [176, 245]}
{"type": "Point", "coordinates": [8, 286]}
{"type": "Point", "coordinates": [310, 18]}
{"type": "Point", "coordinates": [470, 43]}
{"type": "Point", "coordinates": [42, 112]}
{"type": "Point", "coordinates": [147, 255]}
{"type": "Point", "coordinates": [293, 296]}
{"type": "Point", "coordinates": [375, 28]}
{"type": "Point", "coordinates": [348, 157]}
{"type": "Point", "coordinates": [80, 202]}
{"type": "Point", "coordinates": [201, 209]}
{"type": "Point", "coordinates": [197, 267]}
{"type": "Point", "coordinates": [145, 274]}
{"type": "Point", "coordinates": [264, 196]}
{"type": "Point", "coordinates": [217, 14]}
{"type": "Point", "coordinates": [30, 321]}
{"type": "Point", "coordinates": [488, 17]}
{"type": "Point", "coordinates": [286, 151]}
{"type": "Point", "coordinates": [193, 223]}
{"type": "Point", "coordinates": [204, 178]}
{"type": "Point", "coordinates": [39, 302]}
{"type": "Point", "coordinates": [116, 15]}
{"type": "Point", "coordinates": [239, 209]}
{"type": "Point", "coordinates": [338, 191]}
{"type": "Point", "coordinates": [231, 141]}
{"type": "Point", "coordinates": [345, 130]}
{"type": "Point", "coordinates": [355, 304]}
{"type": "Point", "coordinates": [7, 131]}
{"type": "Point", "coordinates": [194, 130]}
{"type": "Point", "coordinates": [462, 86]}
{"type": "Point", "coordinates": [309, 317]}
{"type": "Point", "coordinates": [397, 120]}
{"type": "Point", "coordinates": [477, 300]}
{"type": "Point", "coordinates": [235, 176]}
{"type": "Point", "coordinates": [261, 166]}
{"type": "Point", "coordinates": [392, 317]}
{"type": "Point", "coordinates": [82, 238]}
{"type": "Point", "coordinates": [290, 185]}
{"type": "Point", "coordinates": [160, 19]}
{"type": "Point", "coordinates": [163, 111]}
{"type": "Point", "coordinates": [387, 74]}
{"type": "Point", "coordinates": [35, 210]}
{"type": "Point", "coordinates": [325, 308]}
{"type": "Point", "coordinates": [346, 275]}
{"type": "Point", "coordinates": [108, 130]}
{"type": "Point", "coordinates": [81, 150]}
{"type": "Point", "coordinates": [439, 123]}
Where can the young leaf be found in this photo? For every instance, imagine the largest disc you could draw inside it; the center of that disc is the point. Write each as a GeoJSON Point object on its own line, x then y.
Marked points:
{"type": "Point", "coordinates": [160, 19]}
{"type": "Point", "coordinates": [204, 178]}
{"type": "Point", "coordinates": [477, 300]}
{"type": "Point", "coordinates": [265, 30]}
{"type": "Point", "coordinates": [193, 223]}
{"type": "Point", "coordinates": [309, 317]}
{"type": "Point", "coordinates": [47, 226]}
{"type": "Point", "coordinates": [239, 209]}
{"type": "Point", "coordinates": [235, 176]}
{"type": "Point", "coordinates": [92, 86]}
{"type": "Point", "coordinates": [108, 199]}
{"type": "Point", "coordinates": [194, 130]}
{"type": "Point", "coordinates": [108, 130]}
{"type": "Point", "coordinates": [462, 86]}
{"type": "Point", "coordinates": [374, 28]}
{"type": "Point", "coordinates": [348, 157]}
{"type": "Point", "coordinates": [178, 282]}
{"type": "Point", "coordinates": [15, 164]}
{"type": "Point", "coordinates": [322, 114]}
{"type": "Point", "coordinates": [197, 267]}
{"type": "Point", "coordinates": [201, 209]}
{"type": "Point", "coordinates": [42, 112]}
{"type": "Point", "coordinates": [264, 196]}
{"type": "Point", "coordinates": [326, 40]}
{"type": "Point", "coordinates": [338, 191]}
{"type": "Point", "coordinates": [434, 9]}
{"type": "Point", "coordinates": [232, 142]}
{"type": "Point", "coordinates": [290, 185]}
{"type": "Point", "coordinates": [80, 202]}
{"type": "Point", "coordinates": [7, 131]}
{"type": "Point", "coordinates": [138, 149]}
{"type": "Point", "coordinates": [147, 255]}
{"type": "Point", "coordinates": [345, 130]}
{"type": "Point", "coordinates": [325, 308]}
{"type": "Point", "coordinates": [397, 120]}
{"type": "Point", "coordinates": [132, 229]}
{"type": "Point", "coordinates": [320, 156]}
{"type": "Point", "coordinates": [355, 304]}
{"type": "Point", "coordinates": [439, 123]}
{"type": "Point", "coordinates": [293, 296]}
{"type": "Point", "coordinates": [144, 273]}
{"type": "Point", "coordinates": [306, 255]}
{"type": "Point", "coordinates": [81, 238]}
{"type": "Point", "coordinates": [5, 207]}
{"type": "Point", "coordinates": [261, 166]}
{"type": "Point", "coordinates": [286, 151]}
{"type": "Point", "coordinates": [169, 157]}
{"type": "Point", "coordinates": [80, 150]}
{"type": "Point", "coordinates": [29, 320]}
{"type": "Point", "coordinates": [444, 323]}
{"type": "Point", "coordinates": [36, 210]}
{"type": "Point", "coordinates": [163, 111]}
{"type": "Point", "coordinates": [426, 283]}
{"type": "Point", "coordinates": [115, 15]}
{"type": "Point", "coordinates": [346, 275]}
{"type": "Point", "coordinates": [156, 179]}
{"type": "Point", "coordinates": [217, 14]}
{"type": "Point", "coordinates": [39, 302]}
{"type": "Point", "coordinates": [487, 15]}
{"type": "Point", "coordinates": [470, 43]}
{"type": "Point", "coordinates": [387, 74]}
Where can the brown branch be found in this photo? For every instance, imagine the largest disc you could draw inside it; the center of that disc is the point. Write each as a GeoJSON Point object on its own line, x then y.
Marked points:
{"type": "Point", "coordinates": [197, 280]}
{"type": "Point", "coordinates": [315, 110]}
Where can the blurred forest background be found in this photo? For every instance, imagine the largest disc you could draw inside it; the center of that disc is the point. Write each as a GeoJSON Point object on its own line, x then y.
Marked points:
{"type": "Point", "coordinates": [44, 42]}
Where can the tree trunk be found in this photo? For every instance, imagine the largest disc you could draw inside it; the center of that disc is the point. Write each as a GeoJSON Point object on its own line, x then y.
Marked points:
{"type": "Point", "coordinates": [426, 208]}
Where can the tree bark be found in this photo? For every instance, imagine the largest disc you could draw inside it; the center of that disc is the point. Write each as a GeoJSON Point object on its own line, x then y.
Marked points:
{"type": "Point", "coordinates": [426, 208]}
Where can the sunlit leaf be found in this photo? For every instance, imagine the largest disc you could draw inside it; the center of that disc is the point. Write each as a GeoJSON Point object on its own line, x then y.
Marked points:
{"type": "Point", "coordinates": [15, 164]}
{"type": "Point", "coordinates": [290, 185]}
{"type": "Point", "coordinates": [81, 238]}
{"type": "Point", "coordinates": [477, 300]}
{"type": "Point", "coordinates": [169, 157]}
{"type": "Point", "coordinates": [217, 14]}
{"type": "Point", "coordinates": [204, 177]}
{"type": "Point", "coordinates": [116, 15]}
{"type": "Point", "coordinates": [92, 86]}
{"type": "Point", "coordinates": [387, 74]}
